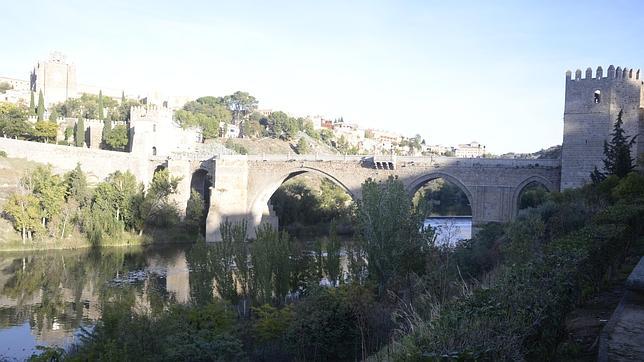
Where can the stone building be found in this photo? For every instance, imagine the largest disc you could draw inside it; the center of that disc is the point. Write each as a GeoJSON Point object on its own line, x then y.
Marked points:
{"type": "Point", "coordinates": [470, 150]}
{"type": "Point", "coordinates": [55, 77]}
{"type": "Point", "coordinates": [592, 105]}
{"type": "Point", "coordinates": [154, 133]}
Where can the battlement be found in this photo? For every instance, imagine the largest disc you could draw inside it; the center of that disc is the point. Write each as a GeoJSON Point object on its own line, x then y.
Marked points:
{"type": "Point", "coordinates": [612, 73]}
{"type": "Point", "coordinates": [142, 113]}
{"type": "Point", "coordinates": [98, 122]}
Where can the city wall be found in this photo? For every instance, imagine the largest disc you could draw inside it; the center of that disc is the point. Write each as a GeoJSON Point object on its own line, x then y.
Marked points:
{"type": "Point", "coordinates": [98, 164]}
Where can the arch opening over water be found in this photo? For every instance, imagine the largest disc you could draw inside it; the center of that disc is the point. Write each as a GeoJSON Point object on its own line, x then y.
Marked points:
{"type": "Point", "coordinates": [201, 183]}
{"type": "Point", "coordinates": [446, 205]}
{"type": "Point", "coordinates": [304, 202]}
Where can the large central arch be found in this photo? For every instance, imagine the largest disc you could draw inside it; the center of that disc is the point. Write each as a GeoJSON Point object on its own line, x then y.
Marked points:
{"type": "Point", "coordinates": [259, 206]}
{"type": "Point", "coordinates": [420, 181]}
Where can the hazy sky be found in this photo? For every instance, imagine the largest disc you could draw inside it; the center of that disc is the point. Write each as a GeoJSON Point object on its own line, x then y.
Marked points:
{"type": "Point", "coordinates": [453, 71]}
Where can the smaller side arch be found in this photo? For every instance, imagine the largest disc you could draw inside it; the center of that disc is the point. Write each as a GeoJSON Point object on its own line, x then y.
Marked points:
{"type": "Point", "coordinates": [517, 191]}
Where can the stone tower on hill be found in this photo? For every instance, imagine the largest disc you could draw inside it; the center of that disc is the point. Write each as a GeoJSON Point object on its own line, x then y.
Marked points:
{"type": "Point", "coordinates": [591, 108]}
{"type": "Point", "coordinates": [55, 77]}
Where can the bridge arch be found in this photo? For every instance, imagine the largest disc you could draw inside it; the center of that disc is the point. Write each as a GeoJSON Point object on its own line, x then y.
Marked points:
{"type": "Point", "coordinates": [259, 204]}
{"type": "Point", "coordinates": [420, 181]}
{"type": "Point", "coordinates": [535, 179]}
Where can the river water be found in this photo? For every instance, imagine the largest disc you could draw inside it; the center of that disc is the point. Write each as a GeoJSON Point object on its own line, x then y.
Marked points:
{"type": "Point", "coordinates": [47, 297]}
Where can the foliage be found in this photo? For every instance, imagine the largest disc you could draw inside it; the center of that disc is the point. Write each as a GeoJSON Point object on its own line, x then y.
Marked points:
{"type": "Point", "coordinates": [240, 104]}
{"type": "Point", "coordinates": [100, 106]}
{"type": "Point", "coordinates": [302, 146]}
{"type": "Point", "coordinates": [45, 131]}
{"type": "Point", "coordinates": [302, 210]}
{"type": "Point", "coordinates": [40, 112]}
{"type": "Point", "coordinates": [392, 233]}
{"type": "Point", "coordinates": [441, 197]}
{"type": "Point", "coordinates": [533, 196]}
{"type": "Point", "coordinates": [195, 216]}
{"type": "Point", "coordinates": [4, 87]}
{"type": "Point", "coordinates": [618, 159]}
{"type": "Point", "coordinates": [13, 121]}
{"type": "Point", "coordinates": [79, 133]}
{"type": "Point", "coordinates": [24, 211]}
{"type": "Point", "coordinates": [236, 147]}
{"type": "Point", "coordinates": [199, 333]}
{"type": "Point", "coordinates": [333, 246]}
{"type": "Point", "coordinates": [117, 138]}
{"type": "Point", "coordinates": [551, 258]}
{"type": "Point", "coordinates": [270, 258]}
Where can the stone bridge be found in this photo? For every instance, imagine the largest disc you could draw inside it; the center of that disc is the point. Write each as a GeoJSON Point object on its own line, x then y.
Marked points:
{"type": "Point", "coordinates": [241, 186]}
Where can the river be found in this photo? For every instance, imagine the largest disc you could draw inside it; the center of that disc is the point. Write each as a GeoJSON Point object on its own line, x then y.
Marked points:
{"type": "Point", "coordinates": [47, 297]}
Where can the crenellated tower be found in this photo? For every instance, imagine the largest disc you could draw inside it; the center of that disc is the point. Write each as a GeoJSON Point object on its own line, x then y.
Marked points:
{"type": "Point", "coordinates": [591, 108]}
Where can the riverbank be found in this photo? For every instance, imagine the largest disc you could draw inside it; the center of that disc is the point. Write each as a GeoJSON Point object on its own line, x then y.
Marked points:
{"type": "Point", "coordinates": [166, 236]}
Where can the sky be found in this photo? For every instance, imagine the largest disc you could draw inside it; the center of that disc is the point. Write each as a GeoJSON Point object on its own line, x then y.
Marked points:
{"type": "Point", "coordinates": [451, 71]}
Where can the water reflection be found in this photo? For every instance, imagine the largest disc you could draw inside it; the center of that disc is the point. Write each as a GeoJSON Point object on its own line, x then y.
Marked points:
{"type": "Point", "coordinates": [450, 230]}
{"type": "Point", "coordinates": [45, 297]}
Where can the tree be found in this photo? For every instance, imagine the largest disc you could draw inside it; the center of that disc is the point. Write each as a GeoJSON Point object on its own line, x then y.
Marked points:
{"type": "Point", "coordinates": [117, 138]}
{"type": "Point", "coordinates": [302, 146]}
{"type": "Point", "coordinates": [79, 134]}
{"type": "Point", "coordinates": [48, 188]}
{"type": "Point", "coordinates": [122, 97]}
{"type": "Point", "coordinates": [282, 125]}
{"type": "Point", "coordinates": [32, 105]}
{"type": "Point", "coordinates": [392, 232]}
{"type": "Point", "coordinates": [194, 212]}
{"type": "Point", "coordinates": [41, 107]}
{"type": "Point", "coordinates": [240, 104]}
{"type": "Point", "coordinates": [76, 185]}
{"type": "Point", "coordinates": [45, 131]}
{"type": "Point", "coordinates": [107, 129]}
{"type": "Point", "coordinates": [618, 159]}
{"type": "Point", "coordinates": [24, 210]}
{"type": "Point", "coordinates": [101, 116]}
{"type": "Point", "coordinates": [53, 115]}
{"type": "Point", "coordinates": [13, 120]}
{"type": "Point", "coordinates": [154, 206]}
{"type": "Point", "coordinates": [207, 113]}
{"type": "Point", "coordinates": [4, 87]}
{"type": "Point", "coordinates": [333, 247]}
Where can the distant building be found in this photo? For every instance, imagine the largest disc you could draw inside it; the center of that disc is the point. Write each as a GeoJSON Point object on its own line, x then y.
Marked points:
{"type": "Point", "coordinates": [229, 130]}
{"type": "Point", "coordinates": [470, 150]}
{"type": "Point", "coordinates": [439, 149]}
{"type": "Point", "coordinates": [55, 77]}
{"type": "Point", "coordinates": [154, 133]}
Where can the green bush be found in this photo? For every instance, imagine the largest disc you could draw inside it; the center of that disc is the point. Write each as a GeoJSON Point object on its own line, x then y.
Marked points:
{"type": "Point", "coordinates": [3, 154]}
{"type": "Point", "coordinates": [520, 315]}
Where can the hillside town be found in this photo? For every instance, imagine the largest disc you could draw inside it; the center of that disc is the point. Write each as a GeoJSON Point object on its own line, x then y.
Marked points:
{"type": "Point", "coordinates": [53, 91]}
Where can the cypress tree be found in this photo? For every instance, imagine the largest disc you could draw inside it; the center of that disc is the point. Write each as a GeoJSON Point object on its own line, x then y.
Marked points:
{"type": "Point", "coordinates": [32, 105]}
{"type": "Point", "coordinates": [41, 106]}
{"type": "Point", "coordinates": [79, 132]}
{"type": "Point", "coordinates": [122, 97]}
{"type": "Point", "coordinates": [107, 128]}
{"type": "Point", "coordinates": [100, 105]}
{"type": "Point", "coordinates": [618, 159]}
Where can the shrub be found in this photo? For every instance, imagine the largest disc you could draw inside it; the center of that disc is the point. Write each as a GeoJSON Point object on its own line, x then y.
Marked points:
{"type": "Point", "coordinates": [3, 154]}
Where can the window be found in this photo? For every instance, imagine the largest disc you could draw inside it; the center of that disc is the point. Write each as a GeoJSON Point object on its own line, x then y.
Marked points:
{"type": "Point", "coordinates": [154, 126]}
{"type": "Point", "coordinates": [597, 97]}
{"type": "Point", "coordinates": [154, 151]}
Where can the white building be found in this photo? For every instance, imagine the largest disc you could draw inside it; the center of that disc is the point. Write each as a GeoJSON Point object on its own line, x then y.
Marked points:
{"type": "Point", "coordinates": [154, 133]}
{"type": "Point", "coordinates": [470, 150]}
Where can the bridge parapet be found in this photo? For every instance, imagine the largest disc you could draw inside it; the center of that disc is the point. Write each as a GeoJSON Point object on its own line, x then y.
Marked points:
{"type": "Point", "coordinates": [400, 160]}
